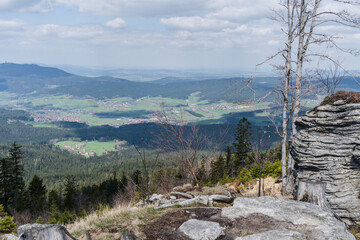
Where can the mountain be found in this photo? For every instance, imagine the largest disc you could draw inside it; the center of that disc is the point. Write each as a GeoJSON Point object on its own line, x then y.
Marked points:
{"type": "Point", "coordinates": [30, 70]}
{"type": "Point", "coordinates": [34, 79]}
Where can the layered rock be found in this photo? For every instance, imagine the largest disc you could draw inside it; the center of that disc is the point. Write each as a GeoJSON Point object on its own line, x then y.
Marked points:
{"type": "Point", "coordinates": [326, 150]}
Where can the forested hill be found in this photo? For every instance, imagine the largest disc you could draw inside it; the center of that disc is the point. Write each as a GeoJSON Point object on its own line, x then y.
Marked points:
{"type": "Point", "coordinates": [34, 79]}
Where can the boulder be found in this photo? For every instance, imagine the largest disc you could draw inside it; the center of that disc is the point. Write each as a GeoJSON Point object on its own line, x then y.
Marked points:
{"type": "Point", "coordinates": [275, 234]}
{"type": "Point", "coordinates": [326, 150]}
{"type": "Point", "coordinates": [8, 237]}
{"type": "Point", "coordinates": [201, 230]}
{"type": "Point", "coordinates": [308, 219]}
{"type": "Point", "coordinates": [125, 236]}
{"type": "Point", "coordinates": [43, 232]}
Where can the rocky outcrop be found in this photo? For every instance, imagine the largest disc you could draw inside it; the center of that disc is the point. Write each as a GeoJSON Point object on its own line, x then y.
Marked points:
{"type": "Point", "coordinates": [275, 234]}
{"type": "Point", "coordinates": [8, 237]}
{"type": "Point", "coordinates": [43, 232]}
{"type": "Point", "coordinates": [326, 150]}
{"type": "Point", "coordinates": [306, 219]}
{"type": "Point", "coordinates": [250, 219]}
{"type": "Point", "coordinates": [199, 230]}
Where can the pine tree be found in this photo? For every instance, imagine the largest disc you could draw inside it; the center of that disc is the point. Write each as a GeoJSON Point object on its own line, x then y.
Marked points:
{"type": "Point", "coordinates": [217, 170]}
{"type": "Point", "coordinates": [5, 181]}
{"type": "Point", "coordinates": [15, 155]}
{"type": "Point", "coordinates": [18, 193]}
{"type": "Point", "coordinates": [70, 189]}
{"type": "Point", "coordinates": [228, 161]}
{"type": "Point", "coordinates": [242, 144]}
{"type": "Point", "coordinates": [37, 193]}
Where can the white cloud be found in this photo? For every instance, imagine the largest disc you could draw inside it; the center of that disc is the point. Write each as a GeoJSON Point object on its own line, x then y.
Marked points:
{"type": "Point", "coordinates": [73, 32]}
{"type": "Point", "coordinates": [25, 5]}
{"type": "Point", "coordinates": [116, 23]}
{"type": "Point", "coordinates": [196, 23]}
{"type": "Point", "coordinates": [136, 8]}
{"type": "Point", "coordinates": [11, 24]}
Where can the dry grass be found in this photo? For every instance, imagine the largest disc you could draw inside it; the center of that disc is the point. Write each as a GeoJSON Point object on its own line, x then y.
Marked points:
{"type": "Point", "coordinates": [110, 223]}
{"type": "Point", "coordinates": [270, 186]}
{"type": "Point", "coordinates": [348, 97]}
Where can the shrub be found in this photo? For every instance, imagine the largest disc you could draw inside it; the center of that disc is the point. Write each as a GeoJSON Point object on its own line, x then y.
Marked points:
{"type": "Point", "coordinates": [7, 224]}
{"type": "Point", "coordinates": [40, 220]}
{"type": "Point", "coordinates": [272, 169]}
{"type": "Point", "coordinates": [245, 175]}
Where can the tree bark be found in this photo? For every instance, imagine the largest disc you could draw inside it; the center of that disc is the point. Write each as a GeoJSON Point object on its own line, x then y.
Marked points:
{"type": "Point", "coordinates": [312, 192]}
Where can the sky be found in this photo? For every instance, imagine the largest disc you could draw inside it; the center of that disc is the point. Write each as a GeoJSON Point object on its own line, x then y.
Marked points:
{"type": "Point", "coordinates": [161, 34]}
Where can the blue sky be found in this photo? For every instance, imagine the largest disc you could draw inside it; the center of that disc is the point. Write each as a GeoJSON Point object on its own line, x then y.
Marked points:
{"type": "Point", "coordinates": [166, 34]}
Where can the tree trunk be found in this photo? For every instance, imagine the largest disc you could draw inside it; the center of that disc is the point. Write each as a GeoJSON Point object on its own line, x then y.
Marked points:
{"type": "Point", "coordinates": [285, 120]}
{"type": "Point", "coordinates": [312, 192]}
{"type": "Point", "coordinates": [259, 193]}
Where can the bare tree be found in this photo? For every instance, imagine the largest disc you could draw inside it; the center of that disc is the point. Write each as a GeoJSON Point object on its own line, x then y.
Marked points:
{"type": "Point", "coordinates": [330, 79]}
{"type": "Point", "coordinates": [145, 191]}
{"type": "Point", "coordinates": [173, 138]}
{"type": "Point", "coordinates": [260, 157]}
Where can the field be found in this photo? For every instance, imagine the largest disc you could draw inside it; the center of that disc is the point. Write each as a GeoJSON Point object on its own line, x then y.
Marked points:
{"type": "Point", "coordinates": [90, 148]}
{"type": "Point", "coordinates": [120, 111]}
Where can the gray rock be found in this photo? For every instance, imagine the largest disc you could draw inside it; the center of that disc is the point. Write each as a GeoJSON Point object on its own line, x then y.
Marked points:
{"type": "Point", "coordinates": [8, 237]}
{"type": "Point", "coordinates": [43, 232]}
{"type": "Point", "coordinates": [126, 236]}
{"type": "Point", "coordinates": [326, 149]}
{"type": "Point", "coordinates": [201, 230]}
{"type": "Point", "coordinates": [275, 234]}
{"type": "Point", "coordinates": [311, 220]}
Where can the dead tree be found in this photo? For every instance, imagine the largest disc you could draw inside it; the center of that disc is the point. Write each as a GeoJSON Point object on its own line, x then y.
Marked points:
{"type": "Point", "coordinates": [330, 79]}
{"type": "Point", "coordinates": [172, 138]}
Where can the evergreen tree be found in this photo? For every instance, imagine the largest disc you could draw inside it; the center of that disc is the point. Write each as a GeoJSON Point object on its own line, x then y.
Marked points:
{"type": "Point", "coordinates": [12, 185]}
{"type": "Point", "coordinates": [217, 170]}
{"type": "Point", "coordinates": [5, 182]}
{"type": "Point", "coordinates": [37, 193]}
{"type": "Point", "coordinates": [123, 183]}
{"type": "Point", "coordinates": [15, 156]}
{"type": "Point", "coordinates": [242, 144]}
{"type": "Point", "coordinates": [70, 193]}
{"type": "Point", "coordinates": [228, 161]}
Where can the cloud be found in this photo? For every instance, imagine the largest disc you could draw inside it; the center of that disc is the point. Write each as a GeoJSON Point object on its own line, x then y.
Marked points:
{"type": "Point", "coordinates": [11, 24]}
{"type": "Point", "coordinates": [136, 8]}
{"type": "Point", "coordinates": [116, 23]}
{"type": "Point", "coordinates": [25, 5]}
{"type": "Point", "coordinates": [71, 32]}
{"type": "Point", "coordinates": [196, 23]}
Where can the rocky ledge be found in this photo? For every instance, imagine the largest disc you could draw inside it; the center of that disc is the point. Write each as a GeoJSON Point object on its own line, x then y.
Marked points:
{"type": "Point", "coordinates": [326, 150]}
{"type": "Point", "coordinates": [251, 219]}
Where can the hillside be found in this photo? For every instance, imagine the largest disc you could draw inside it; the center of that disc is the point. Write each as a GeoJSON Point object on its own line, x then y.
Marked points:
{"type": "Point", "coordinates": [34, 79]}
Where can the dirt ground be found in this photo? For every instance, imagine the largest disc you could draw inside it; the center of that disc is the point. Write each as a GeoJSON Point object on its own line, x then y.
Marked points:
{"type": "Point", "coordinates": [166, 227]}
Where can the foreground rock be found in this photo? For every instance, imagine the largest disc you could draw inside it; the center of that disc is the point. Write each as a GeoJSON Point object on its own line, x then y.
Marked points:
{"type": "Point", "coordinates": [250, 219]}
{"type": "Point", "coordinates": [43, 232]}
{"type": "Point", "coordinates": [327, 151]}
{"type": "Point", "coordinates": [275, 234]}
{"type": "Point", "coordinates": [307, 219]}
{"type": "Point", "coordinates": [8, 237]}
{"type": "Point", "coordinates": [199, 230]}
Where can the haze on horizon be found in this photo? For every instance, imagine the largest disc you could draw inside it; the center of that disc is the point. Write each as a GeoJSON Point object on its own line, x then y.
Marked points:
{"type": "Point", "coordinates": [161, 34]}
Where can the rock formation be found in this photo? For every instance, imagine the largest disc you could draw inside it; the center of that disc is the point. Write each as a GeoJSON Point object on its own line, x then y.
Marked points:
{"type": "Point", "coordinates": [250, 219]}
{"type": "Point", "coordinates": [43, 232]}
{"type": "Point", "coordinates": [326, 150]}
{"type": "Point", "coordinates": [297, 219]}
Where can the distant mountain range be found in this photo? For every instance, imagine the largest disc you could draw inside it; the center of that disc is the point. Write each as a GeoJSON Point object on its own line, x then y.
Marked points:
{"type": "Point", "coordinates": [34, 79]}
